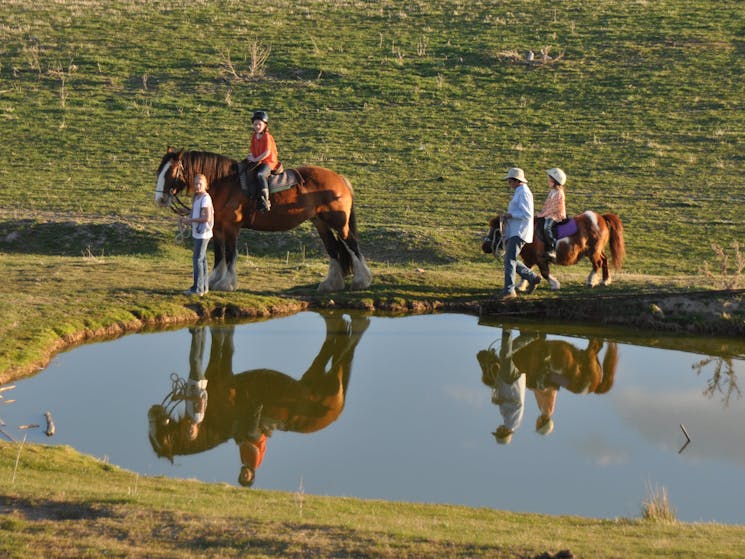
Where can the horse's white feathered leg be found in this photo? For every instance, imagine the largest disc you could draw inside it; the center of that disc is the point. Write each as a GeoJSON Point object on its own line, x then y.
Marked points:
{"type": "Point", "coordinates": [592, 279]}
{"type": "Point", "coordinates": [362, 274]}
{"type": "Point", "coordinates": [223, 279]}
{"type": "Point", "coordinates": [334, 279]}
{"type": "Point", "coordinates": [553, 282]}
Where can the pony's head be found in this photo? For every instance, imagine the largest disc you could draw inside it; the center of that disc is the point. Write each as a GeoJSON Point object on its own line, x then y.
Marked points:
{"type": "Point", "coordinates": [171, 177]}
{"type": "Point", "coordinates": [493, 242]}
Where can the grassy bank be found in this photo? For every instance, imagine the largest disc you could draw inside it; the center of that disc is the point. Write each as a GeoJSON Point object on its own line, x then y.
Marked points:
{"type": "Point", "coordinates": [62, 504]}
{"type": "Point", "coordinates": [423, 105]}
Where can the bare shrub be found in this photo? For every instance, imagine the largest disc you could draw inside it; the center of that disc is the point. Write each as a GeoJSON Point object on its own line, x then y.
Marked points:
{"type": "Point", "coordinates": [724, 276]}
{"type": "Point", "coordinates": [256, 58]}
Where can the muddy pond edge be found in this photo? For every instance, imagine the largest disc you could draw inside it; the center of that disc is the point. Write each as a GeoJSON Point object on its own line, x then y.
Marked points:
{"type": "Point", "coordinates": [718, 313]}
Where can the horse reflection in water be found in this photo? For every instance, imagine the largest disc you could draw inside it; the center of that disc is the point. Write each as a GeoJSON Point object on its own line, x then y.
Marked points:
{"type": "Point", "coordinates": [543, 366]}
{"type": "Point", "coordinates": [247, 407]}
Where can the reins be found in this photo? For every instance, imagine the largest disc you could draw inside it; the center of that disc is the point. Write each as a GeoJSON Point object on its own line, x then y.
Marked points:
{"type": "Point", "coordinates": [176, 395]}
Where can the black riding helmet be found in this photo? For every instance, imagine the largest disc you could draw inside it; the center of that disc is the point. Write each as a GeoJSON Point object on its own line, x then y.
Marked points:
{"type": "Point", "coordinates": [260, 115]}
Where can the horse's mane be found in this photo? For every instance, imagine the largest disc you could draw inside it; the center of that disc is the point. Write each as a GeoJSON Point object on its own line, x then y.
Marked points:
{"type": "Point", "coordinates": [212, 165]}
{"type": "Point", "coordinates": [175, 440]}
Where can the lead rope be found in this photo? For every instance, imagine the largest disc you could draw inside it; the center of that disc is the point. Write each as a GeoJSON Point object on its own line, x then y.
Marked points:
{"type": "Point", "coordinates": [498, 246]}
{"type": "Point", "coordinates": [182, 233]}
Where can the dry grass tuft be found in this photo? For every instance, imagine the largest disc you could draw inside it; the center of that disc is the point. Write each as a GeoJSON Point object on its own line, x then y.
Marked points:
{"type": "Point", "coordinates": [656, 507]}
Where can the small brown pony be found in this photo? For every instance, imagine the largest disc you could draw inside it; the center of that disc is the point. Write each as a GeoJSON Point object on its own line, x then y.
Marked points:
{"type": "Point", "coordinates": [594, 232]}
{"type": "Point", "coordinates": [322, 196]}
{"type": "Point", "coordinates": [577, 370]}
{"type": "Point", "coordinates": [559, 364]}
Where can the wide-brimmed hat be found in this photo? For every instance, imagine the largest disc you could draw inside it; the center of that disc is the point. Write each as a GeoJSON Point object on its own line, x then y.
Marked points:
{"type": "Point", "coordinates": [558, 175]}
{"type": "Point", "coordinates": [515, 173]}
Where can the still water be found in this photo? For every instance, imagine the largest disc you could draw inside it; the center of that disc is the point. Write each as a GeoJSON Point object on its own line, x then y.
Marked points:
{"type": "Point", "coordinates": [437, 408]}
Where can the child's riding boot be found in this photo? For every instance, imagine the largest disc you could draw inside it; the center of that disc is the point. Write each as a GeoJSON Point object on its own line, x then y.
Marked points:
{"type": "Point", "coordinates": [550, 241]}
{"type": "Point", "coordinates": [264, 203]}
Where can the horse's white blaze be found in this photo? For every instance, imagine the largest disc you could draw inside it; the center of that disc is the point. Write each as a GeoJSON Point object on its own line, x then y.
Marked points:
{"type": "Point", "coordinates": [161, 185]}
{"type": "Point", "coordinates": [334, 280]}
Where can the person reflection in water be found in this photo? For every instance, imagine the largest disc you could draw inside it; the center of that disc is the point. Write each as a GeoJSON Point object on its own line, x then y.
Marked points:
{"type": "Point", "coordinates": [545, 366]}
{"type": "Point", "coordinates": [195, 396]}
{"type": "Point", "coordinates": [248, 407]}
{"type": "Point", "coordinates": [506, 381]}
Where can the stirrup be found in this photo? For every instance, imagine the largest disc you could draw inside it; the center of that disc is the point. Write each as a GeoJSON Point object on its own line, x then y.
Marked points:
{"type": "Point", "coordinates": [263, 204]}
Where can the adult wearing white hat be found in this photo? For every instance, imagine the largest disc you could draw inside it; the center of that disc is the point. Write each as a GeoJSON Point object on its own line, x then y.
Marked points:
{"type": "Point", "coordinates": [518, 230]}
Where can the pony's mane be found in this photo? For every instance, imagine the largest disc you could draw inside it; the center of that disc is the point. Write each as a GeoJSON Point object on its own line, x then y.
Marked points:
{"type": "Point", "coordinates": [212, 165]}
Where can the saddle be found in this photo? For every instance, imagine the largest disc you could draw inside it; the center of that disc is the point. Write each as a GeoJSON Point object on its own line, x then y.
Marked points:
{"type": "Point", "coordinates": [278, 180]}
{"type": "Point", "coordinates": [565, 228]}
{"type": "Point", "coordinates": [284, 180]}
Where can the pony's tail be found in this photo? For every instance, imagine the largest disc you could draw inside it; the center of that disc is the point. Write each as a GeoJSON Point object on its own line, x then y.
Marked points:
{"type": "Point", "coordinates": [610, 361]}
{"type": "Point", "coordinates": [617, 242]}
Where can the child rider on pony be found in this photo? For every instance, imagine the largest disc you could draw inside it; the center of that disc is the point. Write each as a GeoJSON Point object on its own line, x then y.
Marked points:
{"type": "Point", "coordinates": [554, 209]}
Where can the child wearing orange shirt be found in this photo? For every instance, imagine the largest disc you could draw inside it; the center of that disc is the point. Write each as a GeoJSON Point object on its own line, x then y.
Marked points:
{"type": "Point", "coordinates": [264, 153]}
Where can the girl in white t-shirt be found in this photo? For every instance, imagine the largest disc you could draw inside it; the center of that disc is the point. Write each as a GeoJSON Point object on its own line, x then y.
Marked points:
{"type": "Point", "coordinates": [202, 220]}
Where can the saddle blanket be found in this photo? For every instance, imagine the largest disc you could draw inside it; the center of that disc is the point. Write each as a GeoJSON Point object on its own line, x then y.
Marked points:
{"type": "Point", "coordinates": [566, 228]}
{"type": "Point", "coordinates": [283, 181]}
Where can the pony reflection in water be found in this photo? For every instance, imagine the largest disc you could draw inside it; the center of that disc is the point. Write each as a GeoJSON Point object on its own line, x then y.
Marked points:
{"type": "Point", "coordinates": [247, 407]}
{"type": "Point", "coordinates": [543, 366]}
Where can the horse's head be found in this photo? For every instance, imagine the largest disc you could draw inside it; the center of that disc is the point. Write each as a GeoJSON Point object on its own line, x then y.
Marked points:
{"type": "Point", "coordinates": [160, 431]}
{"type": "Point", "coordinates": [171, 177]}
{"type": "Point", "coordinates": [489, 363]}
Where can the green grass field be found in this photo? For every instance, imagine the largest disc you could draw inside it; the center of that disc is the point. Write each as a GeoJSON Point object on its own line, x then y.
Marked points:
{"type": "Point", "coordinates": [423, 105]}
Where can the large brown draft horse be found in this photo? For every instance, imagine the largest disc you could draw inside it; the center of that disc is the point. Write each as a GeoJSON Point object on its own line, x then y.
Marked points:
{"type": "Point", "coordinates": [322, 196]}
{"type": "Point", "coordinates": [306, 405]}
{"type": "Point", "coordinates": [594, 232]}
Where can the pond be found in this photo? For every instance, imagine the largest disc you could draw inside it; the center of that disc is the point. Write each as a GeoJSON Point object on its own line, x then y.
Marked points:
{"type": "Point", "coordinates": [527, 417]}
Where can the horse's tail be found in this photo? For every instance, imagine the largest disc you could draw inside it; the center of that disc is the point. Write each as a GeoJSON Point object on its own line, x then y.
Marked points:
{"type": "Point", "coordinates": [345, 255]}
{"type": "Point", "coordinates": [617, 242]}
{"type": "Point", "coordinates": [342, 249]}
{"type": "Point", "coordinates": [610, 361]}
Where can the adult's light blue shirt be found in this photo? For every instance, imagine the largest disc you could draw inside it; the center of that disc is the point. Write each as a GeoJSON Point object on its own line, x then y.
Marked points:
{"type": "Point", "coordinates": [521, 208]}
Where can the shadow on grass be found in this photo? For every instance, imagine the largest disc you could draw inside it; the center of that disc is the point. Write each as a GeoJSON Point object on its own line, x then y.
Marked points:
{"type": "Point", "coordinates": [27, 236]}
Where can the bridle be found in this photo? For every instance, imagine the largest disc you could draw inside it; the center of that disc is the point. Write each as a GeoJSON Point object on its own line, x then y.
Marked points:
{"type": "Point", "coordinates": [176, 205]}
{"type": "Point", "coordinates": [497, 245]}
